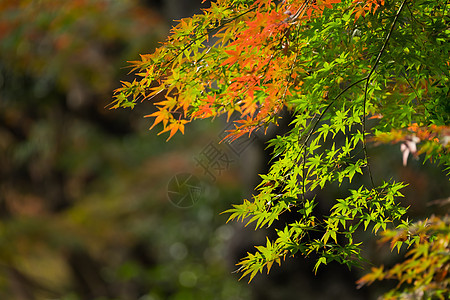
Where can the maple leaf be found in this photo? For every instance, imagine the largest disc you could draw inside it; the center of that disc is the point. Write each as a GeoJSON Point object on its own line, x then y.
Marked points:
{"type": "Point", "coordinates": [162, 115]}
{"type": "Point", "coordinates": [173, 127]}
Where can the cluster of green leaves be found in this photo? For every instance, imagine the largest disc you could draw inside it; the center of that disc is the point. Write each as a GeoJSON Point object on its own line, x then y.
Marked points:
{"type": "Point", "coordinates": [424, 274]}
{"type": "Point", "coordinates": [332, 63]}
{"type": "Point", "coordinates": [365, 207]}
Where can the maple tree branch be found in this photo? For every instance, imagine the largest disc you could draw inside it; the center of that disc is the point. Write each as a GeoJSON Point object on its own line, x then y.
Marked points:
{"type": "Point", "coordinates": [310, 133]}
{"type": "Point", "coordinates": [372, 70]}
{"type": "Point", "coordinates": [387, 38]}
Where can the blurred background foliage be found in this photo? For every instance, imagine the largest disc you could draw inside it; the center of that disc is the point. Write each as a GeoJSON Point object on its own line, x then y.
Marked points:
{"type": "Point", "coordinates": [84, 211]}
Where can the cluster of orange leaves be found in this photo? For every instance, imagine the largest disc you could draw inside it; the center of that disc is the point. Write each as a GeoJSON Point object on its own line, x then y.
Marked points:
{"type": "Point", "coordinates": [363, 7]}
{"type": "Point", "coordinates": [433, 133]}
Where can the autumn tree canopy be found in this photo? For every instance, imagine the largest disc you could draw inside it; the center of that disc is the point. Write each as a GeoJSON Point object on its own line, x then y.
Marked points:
{"type": "Point", "coordinates": [333, 65]}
